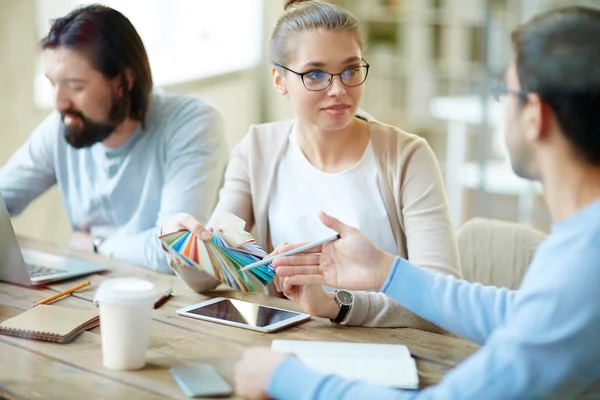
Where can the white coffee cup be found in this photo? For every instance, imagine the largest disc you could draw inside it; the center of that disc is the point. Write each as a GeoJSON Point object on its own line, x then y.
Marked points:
{"type": "Point", "coordinates": [125, 308]}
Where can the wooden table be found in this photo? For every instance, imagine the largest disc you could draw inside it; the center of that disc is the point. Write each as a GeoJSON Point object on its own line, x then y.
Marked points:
{"type": "Point", "coordinates": [31, 369]}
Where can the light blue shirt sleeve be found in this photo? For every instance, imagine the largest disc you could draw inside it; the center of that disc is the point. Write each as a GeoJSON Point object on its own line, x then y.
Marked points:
{"type": "Point", "coordinates": [292, 380]}
{"type": "Point", "coordinates": [195, 160]}
{"type": "Point", "coordinates": [30, 171]}
{"type": "Point", "coordinates": [469, 310]}
{"type": "Point", "coordinates": [541, 342]}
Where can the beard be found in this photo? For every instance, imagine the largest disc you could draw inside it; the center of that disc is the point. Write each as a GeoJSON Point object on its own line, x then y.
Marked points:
{"type": "Point", "coordinates": [88, 132]}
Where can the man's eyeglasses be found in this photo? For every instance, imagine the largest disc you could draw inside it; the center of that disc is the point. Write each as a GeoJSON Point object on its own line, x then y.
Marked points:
{"type": "Point", "coordinates": [500, 90]}
{"type": "Point", "coordinates": [316, 81]}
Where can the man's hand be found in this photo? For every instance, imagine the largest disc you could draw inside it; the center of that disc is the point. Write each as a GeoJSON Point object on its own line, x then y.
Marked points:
{"type": "Point", "coordinates": [254, 370]}
{"type": "Point", "coordinates": [82, 241]}
{"type": "Point", "coordinates": [351, 262]}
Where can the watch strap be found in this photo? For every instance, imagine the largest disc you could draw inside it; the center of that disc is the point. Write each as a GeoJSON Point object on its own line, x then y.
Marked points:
{"type": "Point", "coordinates": [341, 315]}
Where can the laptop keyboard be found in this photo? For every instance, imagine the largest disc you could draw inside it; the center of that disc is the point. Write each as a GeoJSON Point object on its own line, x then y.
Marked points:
{"type": "Point", "coordinates": [38, 270]}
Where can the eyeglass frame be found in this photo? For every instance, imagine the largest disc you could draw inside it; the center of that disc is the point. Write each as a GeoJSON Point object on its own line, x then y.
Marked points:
{"type": "Point", "coordinates": [500, 89]}
{"type": "Point", "coordinates": [331, 76]}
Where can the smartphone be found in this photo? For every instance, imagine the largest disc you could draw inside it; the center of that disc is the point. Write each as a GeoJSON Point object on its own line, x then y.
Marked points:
{"type": "Point", "coordinates": [243, 314]}
{"type": "Point", "coordinates": [201, 381]}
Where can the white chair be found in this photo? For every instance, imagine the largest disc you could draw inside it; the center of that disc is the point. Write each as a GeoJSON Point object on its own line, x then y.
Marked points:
{"type": "Point", "coordinates": [497, 253]}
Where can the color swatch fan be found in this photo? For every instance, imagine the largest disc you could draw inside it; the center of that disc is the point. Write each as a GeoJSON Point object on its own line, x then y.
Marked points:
{"type": "Point", "coordinates": [229, 249]}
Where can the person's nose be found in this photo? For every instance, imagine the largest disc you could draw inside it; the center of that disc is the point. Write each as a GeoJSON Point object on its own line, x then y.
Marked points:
{"type": "Point", "coordinates": [62, 101]}
{"type": "Point", "coordinates": [337, 88]}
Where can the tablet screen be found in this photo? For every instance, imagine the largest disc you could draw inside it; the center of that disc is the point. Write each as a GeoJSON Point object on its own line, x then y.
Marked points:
{"type": "Point", "coordinates": [243, 312]}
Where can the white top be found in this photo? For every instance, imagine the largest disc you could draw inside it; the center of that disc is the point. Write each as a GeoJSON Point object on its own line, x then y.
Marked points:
{"type": "Point", "coordinates": [300, 191]}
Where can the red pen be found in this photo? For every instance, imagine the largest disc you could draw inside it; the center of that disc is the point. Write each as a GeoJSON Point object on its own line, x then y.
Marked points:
{"type": "Point", "coordinates": [163, 298]}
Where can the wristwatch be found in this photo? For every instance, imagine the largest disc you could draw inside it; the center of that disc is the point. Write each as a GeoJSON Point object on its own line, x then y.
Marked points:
{"type": "Point", "coordinates": [97, 242]}
{"type": "Point", "coordinates": [344, 298]}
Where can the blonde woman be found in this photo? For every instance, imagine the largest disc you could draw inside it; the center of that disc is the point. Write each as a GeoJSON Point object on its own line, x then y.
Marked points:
{"type": "Point", "coordinates": [330, 157]}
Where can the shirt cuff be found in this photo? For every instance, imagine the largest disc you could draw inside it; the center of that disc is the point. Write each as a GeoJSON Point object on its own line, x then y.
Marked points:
{"type": "Point", "coordinates": [292, 380]}
{"type": "Point", "coordinates": [406, 284]}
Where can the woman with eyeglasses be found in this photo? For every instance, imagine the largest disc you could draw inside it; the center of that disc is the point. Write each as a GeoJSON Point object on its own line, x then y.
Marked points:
{"type": "Point", "coordinates": [335, 158]}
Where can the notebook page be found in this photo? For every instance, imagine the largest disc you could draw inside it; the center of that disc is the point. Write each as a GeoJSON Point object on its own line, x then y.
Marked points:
{"type": "Point", "coordinates": [380, 364]}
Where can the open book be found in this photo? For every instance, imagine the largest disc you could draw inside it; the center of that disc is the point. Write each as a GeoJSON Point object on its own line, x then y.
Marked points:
{"type": "Point", "coordinates": [229, 249]}
{"type": "Point", "coordinates": [52, 323]}
{"type": "Point", "coordinates": [389, 365]}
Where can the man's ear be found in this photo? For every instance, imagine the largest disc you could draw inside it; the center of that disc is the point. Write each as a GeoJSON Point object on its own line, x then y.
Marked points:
{"type": "Point", "coordinates": [539, 118]}
{"type": "Point", "coordinates": [536, 118]}
{"type": "Point", "coordinates": [118, 84]}
{"type": "Point", "coordinates": [278, 81]}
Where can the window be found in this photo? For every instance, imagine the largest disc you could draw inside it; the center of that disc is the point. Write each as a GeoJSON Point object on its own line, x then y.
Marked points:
{"type": "Point", "coordinates": [185, 39]}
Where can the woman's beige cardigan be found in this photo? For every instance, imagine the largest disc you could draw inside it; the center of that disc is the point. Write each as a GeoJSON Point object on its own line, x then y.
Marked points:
{"type": "Point", "coordinates": [413, 193]}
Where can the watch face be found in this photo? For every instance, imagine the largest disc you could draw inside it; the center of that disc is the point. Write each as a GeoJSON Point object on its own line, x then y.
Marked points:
{"type": "Point", "coordinates": [344, 297]}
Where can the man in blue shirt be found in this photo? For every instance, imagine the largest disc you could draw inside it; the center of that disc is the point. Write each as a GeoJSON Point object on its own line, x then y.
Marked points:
{"type": "Point", "coordinates": [123, 158]}
{"type": "Point", "coordinates": [542, 341]}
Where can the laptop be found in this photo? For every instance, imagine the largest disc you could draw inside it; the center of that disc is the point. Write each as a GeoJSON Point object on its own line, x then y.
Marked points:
{"type": "Point", "coordinates": [32, 267]}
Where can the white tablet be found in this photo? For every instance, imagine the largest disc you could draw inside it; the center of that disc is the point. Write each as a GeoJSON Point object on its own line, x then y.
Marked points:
{"type": "Point", "coordinates": [243, 314]}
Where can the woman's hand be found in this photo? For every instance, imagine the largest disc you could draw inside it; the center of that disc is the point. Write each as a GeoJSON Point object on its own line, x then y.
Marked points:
{"type": "Point", "coordinates": [182, 221]}
{"type": "Point", "coordinates": [311, 298]}
{"type": "Point", "coordinates": [198, 280]}
{"type": "Point", "coordinates": [185, 221]}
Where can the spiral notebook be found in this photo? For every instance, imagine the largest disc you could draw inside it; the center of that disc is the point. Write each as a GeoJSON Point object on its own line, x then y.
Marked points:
{"type": "Point", "coordinates": [229, 249]}
{"type": "Point", "coordinates": [51, 323]}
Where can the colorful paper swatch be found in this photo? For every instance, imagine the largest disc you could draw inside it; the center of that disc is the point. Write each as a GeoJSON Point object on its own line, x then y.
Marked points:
{"type": "Point", "coordinates": [222, 256]}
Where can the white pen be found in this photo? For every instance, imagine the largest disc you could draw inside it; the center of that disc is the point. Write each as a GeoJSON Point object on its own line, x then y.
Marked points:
{"type": "Point", "coordinates": [290, 252]}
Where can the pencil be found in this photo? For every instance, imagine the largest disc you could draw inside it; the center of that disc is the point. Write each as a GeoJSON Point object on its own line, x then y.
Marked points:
{"type": "Point", "coordinates": [290, 252]}
{"type": "Point", "coordinates": [63, 293]}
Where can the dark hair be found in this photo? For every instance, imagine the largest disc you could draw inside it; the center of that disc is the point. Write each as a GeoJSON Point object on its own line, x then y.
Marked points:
{"type": "Point", "coordinates": [558, 57]}
{"type": "Point", "coordinates": [300, 16]}
{"type": "Point", "coordinates": [112, 44]}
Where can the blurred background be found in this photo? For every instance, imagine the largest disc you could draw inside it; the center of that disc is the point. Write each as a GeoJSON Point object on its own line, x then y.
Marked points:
{"type": "Point", "coordinates": [432, 64]}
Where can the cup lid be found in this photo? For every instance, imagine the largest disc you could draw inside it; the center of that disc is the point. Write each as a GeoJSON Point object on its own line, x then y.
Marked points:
{"type": "Point", "coordinates": [125, 291]}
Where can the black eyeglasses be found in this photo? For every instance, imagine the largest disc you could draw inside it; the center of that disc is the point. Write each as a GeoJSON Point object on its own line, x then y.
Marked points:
{"type": "Point", "coordinates": [316, 80]}
{"type": "Point", "coordinates": [499, 90]}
